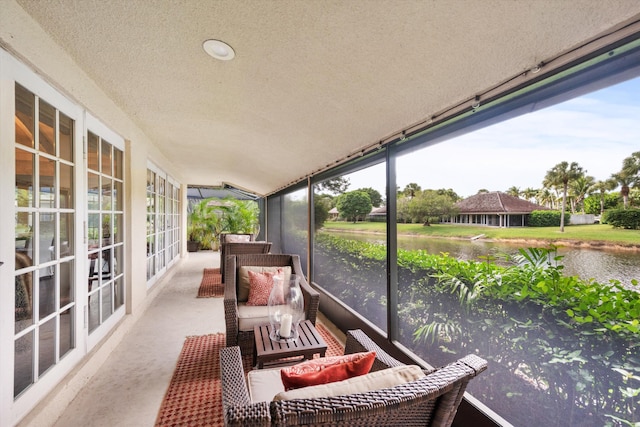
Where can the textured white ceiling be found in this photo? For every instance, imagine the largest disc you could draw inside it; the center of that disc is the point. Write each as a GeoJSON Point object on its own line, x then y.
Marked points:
{"type": "Point", "coordinates": [312, 80]}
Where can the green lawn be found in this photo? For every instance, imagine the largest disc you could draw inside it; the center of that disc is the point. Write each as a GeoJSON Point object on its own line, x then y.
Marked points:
{"type": "Point", "coordinates": [592, 233]}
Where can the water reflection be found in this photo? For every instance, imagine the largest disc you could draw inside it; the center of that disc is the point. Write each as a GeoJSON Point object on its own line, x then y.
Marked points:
{"type": "Point", "coordinates": [600, 265]}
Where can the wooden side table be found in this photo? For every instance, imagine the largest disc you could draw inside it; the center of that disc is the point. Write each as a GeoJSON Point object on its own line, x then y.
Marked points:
{"type": "Point", "coordinates": [309, 342]}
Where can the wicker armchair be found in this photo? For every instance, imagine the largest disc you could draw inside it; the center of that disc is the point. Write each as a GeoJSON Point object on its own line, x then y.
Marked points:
{"type": "Point", "coordinates": [245, 338]}
{"type": "Point", "coordinates": [432, 400]}
{"type": "Point", "coordinates": [240, 248]}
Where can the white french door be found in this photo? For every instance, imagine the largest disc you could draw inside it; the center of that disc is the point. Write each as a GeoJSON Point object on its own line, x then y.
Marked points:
{"type": "Point", "coordinates": [62, 283]}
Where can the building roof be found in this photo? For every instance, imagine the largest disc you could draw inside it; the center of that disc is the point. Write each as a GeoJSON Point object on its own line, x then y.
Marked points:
{"type": "Point", "coordinates": [382, 210]}
{"type": "Point", "coordinates": [496, 202]}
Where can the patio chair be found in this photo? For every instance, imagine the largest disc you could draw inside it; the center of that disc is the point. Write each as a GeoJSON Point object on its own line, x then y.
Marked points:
{"type": "Point", "coordinates": [432, 399]}
{"type": "Point", "coordinates": [241, 319]}
{"type": "Point", "coordinates": [240, 248]}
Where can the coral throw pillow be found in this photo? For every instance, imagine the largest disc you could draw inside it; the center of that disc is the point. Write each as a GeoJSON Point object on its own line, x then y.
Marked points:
{"type": "Point", "coordinates": [260, 286]}
{"type": "Point", "coordinates": [327, 370]}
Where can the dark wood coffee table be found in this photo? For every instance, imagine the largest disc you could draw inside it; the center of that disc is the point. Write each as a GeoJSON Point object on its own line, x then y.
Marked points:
{"type": "Point", "coordinates": [309, 342]}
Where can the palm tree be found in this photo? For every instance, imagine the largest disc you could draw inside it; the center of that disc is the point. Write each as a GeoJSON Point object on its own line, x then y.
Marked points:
{"type": "Point", "coordinates": [529, 193]}
{"type": "Point", "coordinates": [631, 165]}
{"type": "Point", "coordinates": [601, 187]}
{"type": "Point", "coordinates": [514, 191]}
{"type": "Point", "coordinates": [625, 181]}
{"type": "Point", "coordinates": [545, 197]}
{"type": "Point", "coordinates": [579, 190]}
{"type": "Point", "coordinates": [560, 175]}
{"type": "Point", "coordinates": [629, 176]}
{"type": "Point", "coordinates": [411, 189]}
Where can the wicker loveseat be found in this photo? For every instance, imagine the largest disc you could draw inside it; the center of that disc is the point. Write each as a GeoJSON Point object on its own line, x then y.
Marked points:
{"type": "Point", "coordinates": [431, 400]}
{"type": "Point", "coordinates": [239, 319]}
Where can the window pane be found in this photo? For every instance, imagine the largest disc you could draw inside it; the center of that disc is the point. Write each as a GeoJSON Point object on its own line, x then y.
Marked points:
{"type": "Point", "coordinates": [107, 295]}
{"type": "Point", "coordinates": [117, 228]}
{"type": "Point", "coordinates": [23, 300]}
{"type": "Point", "coordinates": [117, 196]}
{"type": "Point", "coordinates": [24, 178]}
{"type": "Point", "coordinates": [66, 234]}
{"type": "Point", "coordinates": [66, 138]}
{"type": "Point", "coordinates": [66, 283]}
{"type": "Point", "coordinates": [66, 331]}
{"type": "Point", "coordinates": [119, 292]}
{"type": "Point", "coordinates": [106, 193]}
{"type": "Point", "coordinates": [47, 183]}
{"type": "Point", "coordinates": [23, 363]}
{"type": "Point", "coordinates": [47, 291]}
{"type": "Point", "coordinates": [295, 224]}
{"type": "Point", "coordinates": [93, 191]}
{"type": "Point", "coordinates": [106, 158]}
{"type": "Point", "coordinates": [358, 281]}
{"type": "Point", "coordinates": [94, 308]}
{"type": "Point", "coordinates": [47, 250]}
{"type": "Point", "coordinates": [107, 220]}
{"type": "Point", "coordinates": [66, 186]}
{"type": "Point", "coordinates": [25, 116]}
{"type": "Point", "coordinates": [93, 231]}
{"type": "Point", "coordinates": [47, 141]}
{"type": "Point", "coordinates": [117, 163]}
{"type": "Point", "coordinates": [47, 346]}
{"type": "Point", "coordinates": [24, 239]}
{"type": "Point", "coordinates": [93, 142]}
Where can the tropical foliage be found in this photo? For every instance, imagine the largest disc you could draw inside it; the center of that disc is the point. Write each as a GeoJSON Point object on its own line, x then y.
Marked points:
{"type": "Point", "coordinates": [557, 345]}
{"type": "Point", "coordinates": [211, 217]}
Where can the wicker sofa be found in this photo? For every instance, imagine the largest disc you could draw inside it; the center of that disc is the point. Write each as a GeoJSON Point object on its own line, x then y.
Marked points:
{"type": "Point", "coordinates": [239, 325]}
{"type": "Point", "coordinates": [431, 400]}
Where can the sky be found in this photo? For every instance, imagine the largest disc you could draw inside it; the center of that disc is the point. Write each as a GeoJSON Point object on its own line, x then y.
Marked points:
{"type": "Point", "coordinates": [597, 130]}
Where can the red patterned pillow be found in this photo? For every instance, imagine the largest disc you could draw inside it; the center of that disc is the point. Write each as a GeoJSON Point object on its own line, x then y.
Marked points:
{"type": "Point", "coordinates": [327, 370]}
{"type": "Point", "coordinates": [260, 286]}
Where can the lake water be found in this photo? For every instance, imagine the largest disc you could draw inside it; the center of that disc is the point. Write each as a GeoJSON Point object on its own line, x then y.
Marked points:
{"type": "Point", "coordinates": [598, 264]}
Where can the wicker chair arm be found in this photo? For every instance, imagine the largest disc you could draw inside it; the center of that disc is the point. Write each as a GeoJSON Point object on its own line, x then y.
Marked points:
{"type": "Point", "coordinates": [236, 403]}
{"type": "Point", "coordinates": [358, 341]}
{"type": "Point", "coordinates": [231, 303]}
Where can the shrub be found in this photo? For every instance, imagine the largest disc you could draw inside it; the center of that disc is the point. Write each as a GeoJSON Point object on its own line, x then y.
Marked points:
{"type": "Point", "coordinates": [623, 218]}
{"type": "Point", "coordinates": [546, 219]}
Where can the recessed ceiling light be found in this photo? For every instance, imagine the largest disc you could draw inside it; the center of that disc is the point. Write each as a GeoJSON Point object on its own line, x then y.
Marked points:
{"type": "Point", "coordinates": [219, 50]}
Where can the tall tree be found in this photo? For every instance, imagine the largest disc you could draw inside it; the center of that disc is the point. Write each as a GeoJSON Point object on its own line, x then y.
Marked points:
{"type": "Point", "coordinates": [626, 181]}
{"type": "Point", "coordinates": [429, 206]}
{"type": "Point", "coordinates": [560, 176]}
{"type": "Point", "coordinates": [513, 191]}
{"type": "Point", "coordinates": [334, 186]}
{"type": "Point", "coordinates": [529, 193]}
{"type": "Point", "coordinates": [600, 188]}
{"type": "Point", "coordinates": [411, 189]}
{"type": "Point", "coordinates": [353, 205]}
{"type": "Point", "coordinates": [578, 190]}
{"type": "Point", "coordinates": [374, 195]}
{"type": "Point", "coordinates": [545, 197]}
{"type": "Point", "coordinates": [629, 176]}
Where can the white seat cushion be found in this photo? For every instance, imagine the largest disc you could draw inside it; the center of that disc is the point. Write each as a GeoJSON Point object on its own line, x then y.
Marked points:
{"type": "Point", "coordinates": [263, 384]}
{"type": "Point", "coordinates": [252, 315]}
{"type": "Point", "coordinates": [266, 384]}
